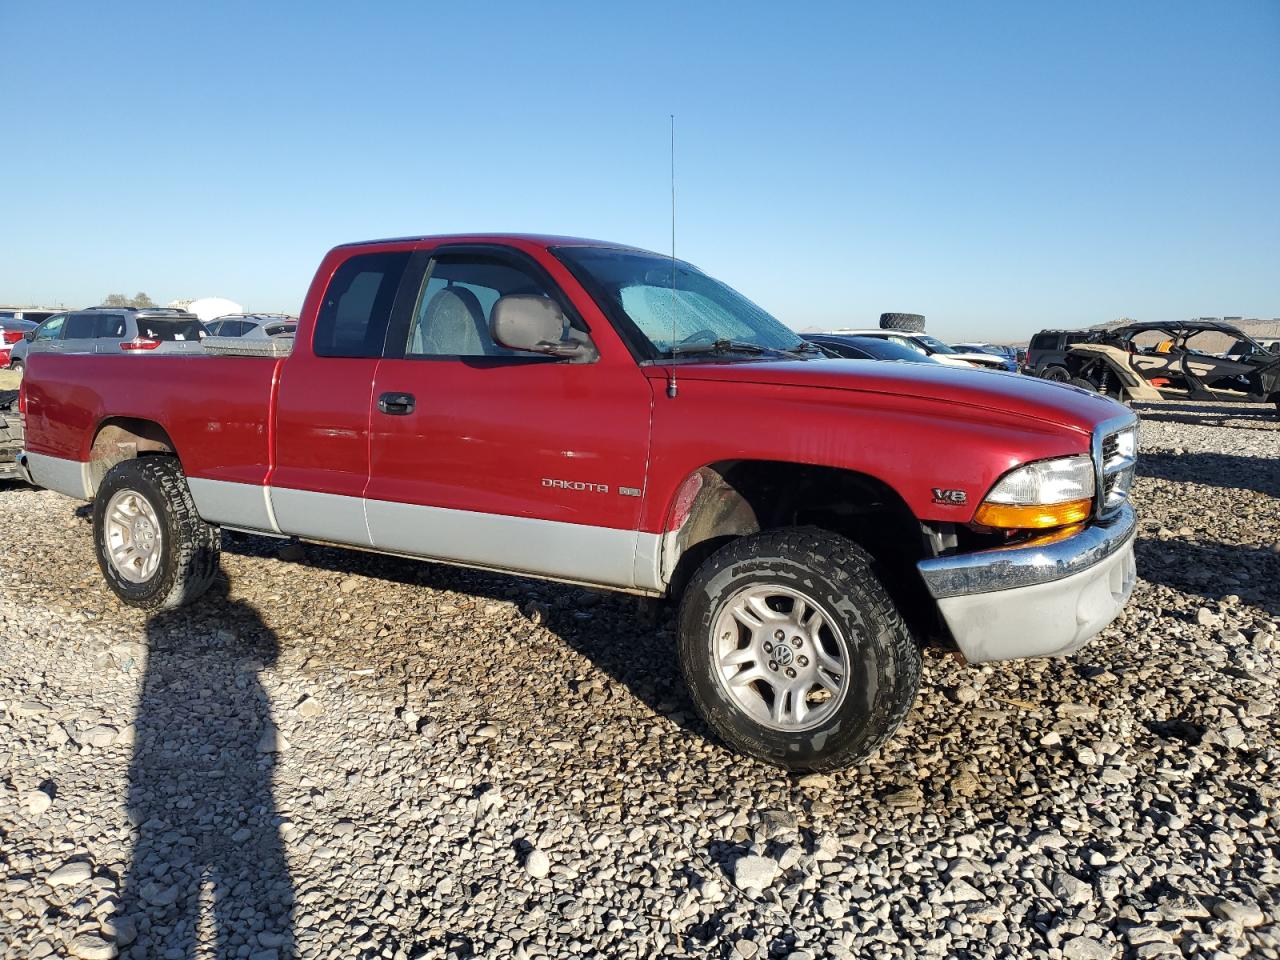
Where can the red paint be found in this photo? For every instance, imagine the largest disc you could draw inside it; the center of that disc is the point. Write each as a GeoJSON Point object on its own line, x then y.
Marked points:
{"type": "Point", "coordinates": [485, 437]}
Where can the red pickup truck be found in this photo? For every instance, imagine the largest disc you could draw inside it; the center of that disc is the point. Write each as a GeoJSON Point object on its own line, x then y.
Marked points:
{"type": "Point", "coordinates": [601, 415]}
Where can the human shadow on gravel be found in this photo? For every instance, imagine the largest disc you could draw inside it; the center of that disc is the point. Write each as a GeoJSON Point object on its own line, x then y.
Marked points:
{"type": "Point", "coordinates": [1231, 471]}
{"type": "Point", "coordinates": [1213, 570]}
{"type": "Point", "coordinates": [633, 644]}
{"type": "Point", "coordinates": [207, 853]}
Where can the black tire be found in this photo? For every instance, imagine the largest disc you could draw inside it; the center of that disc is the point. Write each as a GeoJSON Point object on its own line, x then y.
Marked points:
{"type": "Point", "coordinates": [1056, 374]}
{"type": "Point", "coordinates": [1083, 384]}
{"type": "Point", "coordinates": [836, 574]}
{"type": "Point", "coordinates": [189, 547]}
{"type": "Point", "coordinates": [906, 322]}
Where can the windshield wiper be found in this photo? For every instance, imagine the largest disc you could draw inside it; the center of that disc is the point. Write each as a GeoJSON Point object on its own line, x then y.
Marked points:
{"type": "Point", "coordinates": [724, 346]}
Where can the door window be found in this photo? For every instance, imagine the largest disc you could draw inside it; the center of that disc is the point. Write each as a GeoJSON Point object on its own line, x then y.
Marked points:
{"type": "Point", "coordinates": [455, 304]}
{"type": "Point", "coordinates": [51, 329]}
{"type": "Point", "coordinates": [353, 317]}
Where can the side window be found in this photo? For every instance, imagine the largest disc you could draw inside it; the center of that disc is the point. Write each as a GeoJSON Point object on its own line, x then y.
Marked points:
{"type": "Point", "coordinates": [80, 326]}
{"type": "Point", "coordinates": [455, 303]}
{"type": "Point", "coordinates": [109, 326]}
{"type": "Point", "coordinates": [1042, 341]}
{"type": "Point", "coordinates": [353, 316]}
{"type": "Point", "coordinates": [51, 329]}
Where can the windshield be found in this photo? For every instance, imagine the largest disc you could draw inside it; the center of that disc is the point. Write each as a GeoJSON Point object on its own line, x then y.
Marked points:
{"type": "Point", "coordinates": [934, 344]}
{"type": "Point", "coordinates": [636, 290]}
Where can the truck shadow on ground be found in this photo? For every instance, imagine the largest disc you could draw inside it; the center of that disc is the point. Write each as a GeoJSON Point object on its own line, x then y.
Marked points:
{"type": "Point", "coordinates": [207, 854]}
{"type": "Point", "coordinates": [1213, 469]}
{"type": "Point", "coordinates": [630, 640]}
{"type": "Point", "coordinates": [1213, 570]}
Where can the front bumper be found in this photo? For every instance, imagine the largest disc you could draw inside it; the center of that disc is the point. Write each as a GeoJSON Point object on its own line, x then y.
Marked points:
{"type": "Point", "coordinates": [1036, 600]}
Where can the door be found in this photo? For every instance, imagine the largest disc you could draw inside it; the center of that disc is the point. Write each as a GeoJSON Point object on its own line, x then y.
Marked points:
{"type": "Point", "coordinates": [322, 408]}
{"type": "Point", "coordinates": [48, 336]}
{"type": "Point", "coordinates": [486, 456]}
{"type": "Point", "coordinates": [80, 333]}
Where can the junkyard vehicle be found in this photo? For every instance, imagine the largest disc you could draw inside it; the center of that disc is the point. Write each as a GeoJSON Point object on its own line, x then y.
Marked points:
{"type": "Point", "coordinates": [1047, 353]}
{"type": "Point", "coordinates": [1191, 360]}
{"type": "Point", "coordinates": [12, 332]}
{"type": "Point", "coordinates": [605, 416]}
{"type": "Point", "coordinates": [15, 323]}
{"type": "Point", "coordinates": [115, 330]}
{"type": "Point", "coordinates": [852, 347]}
{"type": "Point", "coordinates": [1010, 354]}
{"type": "Point", "coordinates": [931, 346]}
{"type": "Point", "coordinates": [253, 325]}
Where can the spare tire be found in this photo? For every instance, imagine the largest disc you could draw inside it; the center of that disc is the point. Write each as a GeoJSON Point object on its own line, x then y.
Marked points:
{"type": "Point", "coordinates": [906, 322]}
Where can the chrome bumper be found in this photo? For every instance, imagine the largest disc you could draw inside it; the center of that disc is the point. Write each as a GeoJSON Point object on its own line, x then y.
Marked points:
{"type": "Point", "coordinates": [1036, 600]}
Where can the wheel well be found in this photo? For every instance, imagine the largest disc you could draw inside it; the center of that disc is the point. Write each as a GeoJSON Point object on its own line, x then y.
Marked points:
{"type": "Point", "coordinates": [730, 499]}
{"type": "Point", "coordinates": [123, 438]}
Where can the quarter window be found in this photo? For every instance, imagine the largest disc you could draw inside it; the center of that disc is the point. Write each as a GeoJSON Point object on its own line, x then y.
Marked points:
{"type": "Point", "coordinates": [353, 317]}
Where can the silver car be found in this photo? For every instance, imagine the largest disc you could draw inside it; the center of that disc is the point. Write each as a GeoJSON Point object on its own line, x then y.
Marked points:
{"type": "Point", "coordinates": [253, 325]}
{"type": "Point", "coordinates": [111, 329]}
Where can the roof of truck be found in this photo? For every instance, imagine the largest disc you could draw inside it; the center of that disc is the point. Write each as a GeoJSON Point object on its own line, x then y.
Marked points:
{"type": "Point", "coordinates": [540, 239]}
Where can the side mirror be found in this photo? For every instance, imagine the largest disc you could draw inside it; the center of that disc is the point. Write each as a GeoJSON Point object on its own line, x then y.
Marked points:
{"type": "Point", "coordinates": [523, 321]}
{"type": "Point", "coordinates": [30, 334]}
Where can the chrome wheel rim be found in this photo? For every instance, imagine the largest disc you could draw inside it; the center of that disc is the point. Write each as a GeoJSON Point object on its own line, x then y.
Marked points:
{"type": "Point", "coordinates": [134, 536]}
{"type": "Point", "coordinates": [780, 658]}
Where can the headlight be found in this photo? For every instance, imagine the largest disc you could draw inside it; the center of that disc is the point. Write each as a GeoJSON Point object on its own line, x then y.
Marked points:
{"type": "Point", "coordinates": [1047, 493]}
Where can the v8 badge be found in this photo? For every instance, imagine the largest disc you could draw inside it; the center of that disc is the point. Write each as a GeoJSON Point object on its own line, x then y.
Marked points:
{"type": "Point", "coordinates": [952, 498]}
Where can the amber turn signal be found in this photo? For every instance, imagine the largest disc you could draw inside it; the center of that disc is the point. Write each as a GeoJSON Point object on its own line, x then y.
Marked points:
{"type": "Point", "coordinates": [1037, 517]}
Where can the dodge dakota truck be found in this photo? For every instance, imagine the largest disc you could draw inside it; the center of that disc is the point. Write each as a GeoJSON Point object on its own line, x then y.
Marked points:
{"type": "Point", "coordinates": [600, 415]}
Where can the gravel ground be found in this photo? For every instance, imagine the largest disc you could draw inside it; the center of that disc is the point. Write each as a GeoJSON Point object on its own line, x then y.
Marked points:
{"type": "Point", "coordinates": [342, 755]}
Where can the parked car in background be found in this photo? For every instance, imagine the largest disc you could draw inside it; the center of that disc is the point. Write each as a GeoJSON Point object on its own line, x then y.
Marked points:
{"type": "Point", "coordinates": [51, 327]}
{"type": "Point", "coordinates": [581, 420]}
{"type": "Point", "coordinates": [853, 347]}
{"type": "Point", "coordinates": [12, 332]}
{"type": "Point", "coordinates": [253, 325]}
{"type": "Point", "coordinates": [1183, 360]}
{"type": "Point", "coordinates": [1009, 353]}
{"type": "Point", "coordinates": [1047, 353]}
{"type": "Point", "coordinates": [931, 346]}
{"type": "Point", "coordinates": [115, 329]}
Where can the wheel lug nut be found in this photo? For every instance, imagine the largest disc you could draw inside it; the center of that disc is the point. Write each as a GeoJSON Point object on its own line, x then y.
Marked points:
{"type": "Point", "coordinates": [791, 673]}
{"type": "Point", "coordinates": [768, 647]}
{"type": "Point", "coordinates": [803, 661]}
{"type": "Point", "coordinates": [798, 641]}
{"type": "Point", "coordinates": [778, 634]}
{"type": "Point", "coordinates": [773, 665]}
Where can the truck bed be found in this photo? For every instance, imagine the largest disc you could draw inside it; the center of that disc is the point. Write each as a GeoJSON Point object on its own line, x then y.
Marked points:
{"type": "Point", "coordinates": [217, 409]}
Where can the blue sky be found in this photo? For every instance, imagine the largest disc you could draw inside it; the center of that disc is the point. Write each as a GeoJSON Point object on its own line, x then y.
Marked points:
{"type": "Point", "coordinates": [1000, 167]}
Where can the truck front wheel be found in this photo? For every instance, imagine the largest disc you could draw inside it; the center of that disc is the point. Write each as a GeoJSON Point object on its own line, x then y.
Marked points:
{"type": "Point", "coordinates": [793, 651]}
{"type": "Point", "coordinates": [154, 550]}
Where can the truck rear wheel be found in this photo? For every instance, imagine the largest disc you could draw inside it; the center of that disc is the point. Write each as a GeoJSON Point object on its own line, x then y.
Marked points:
{"type": "Point", "coordinates": [1056, 374]}
{"type": "Point", "coordinates": [793, 651]}
{"type": "Point", "coordinates": [154, 550]}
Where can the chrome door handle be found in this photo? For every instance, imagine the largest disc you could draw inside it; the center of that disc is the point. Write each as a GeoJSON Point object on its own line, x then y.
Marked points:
{"type": "Point", "coordinates": [396, 404]}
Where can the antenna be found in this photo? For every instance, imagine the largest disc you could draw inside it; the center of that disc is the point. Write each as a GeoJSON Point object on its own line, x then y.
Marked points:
{"type": "Point", "coordinates": [672, 389]}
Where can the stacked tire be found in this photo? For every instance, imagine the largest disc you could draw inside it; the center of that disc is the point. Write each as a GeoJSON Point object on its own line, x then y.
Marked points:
{"type": "Point", "coordinates": [11, 435]}
{"type": "Point", "coordinates": [905, 322]}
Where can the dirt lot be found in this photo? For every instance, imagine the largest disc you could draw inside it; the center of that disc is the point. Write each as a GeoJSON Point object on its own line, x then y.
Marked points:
{"type": "Point", "coordinates": [349, 756]}
{"type": "Point", "coordinates": [9, 380]}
